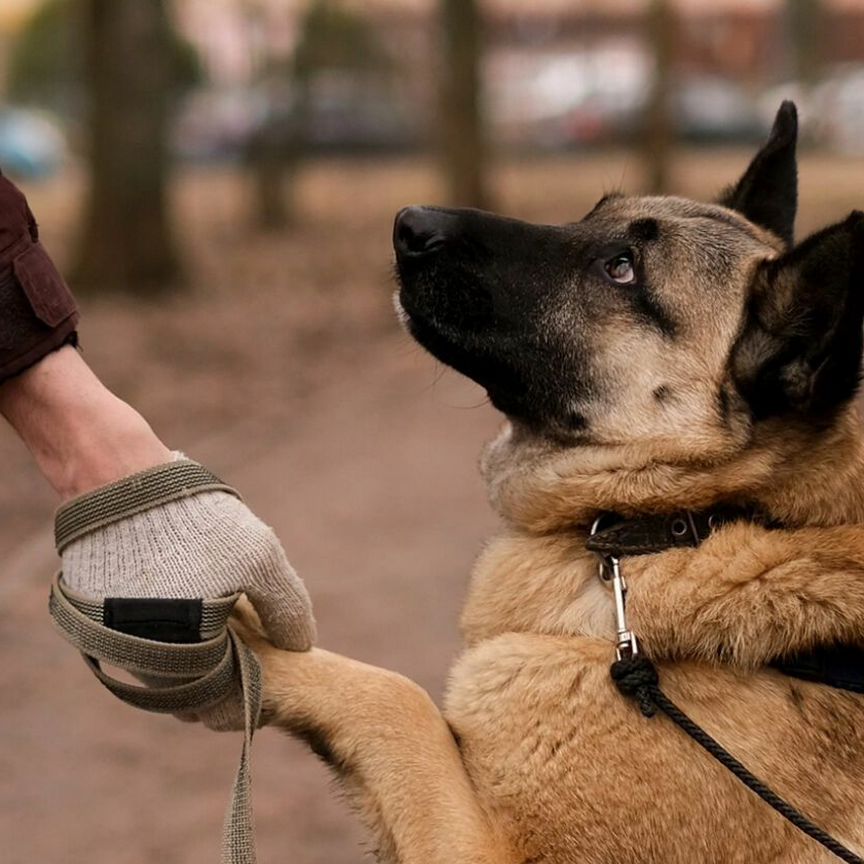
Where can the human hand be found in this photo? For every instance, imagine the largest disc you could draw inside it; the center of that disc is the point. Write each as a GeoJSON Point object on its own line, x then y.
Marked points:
{"type": "Point", "coordinates": [202, 545]}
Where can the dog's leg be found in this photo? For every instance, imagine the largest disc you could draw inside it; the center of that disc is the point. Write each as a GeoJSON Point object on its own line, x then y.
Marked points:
{"type": "Point", "coordinates": [391, 749]}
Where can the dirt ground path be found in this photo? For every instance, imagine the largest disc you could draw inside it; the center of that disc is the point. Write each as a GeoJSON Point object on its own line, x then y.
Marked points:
{"type": "Point", "coordinates": [284, 371]}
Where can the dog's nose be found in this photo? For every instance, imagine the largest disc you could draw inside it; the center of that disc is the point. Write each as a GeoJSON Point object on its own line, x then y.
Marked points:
{"type": "Point", "coordinates": [420, 230]}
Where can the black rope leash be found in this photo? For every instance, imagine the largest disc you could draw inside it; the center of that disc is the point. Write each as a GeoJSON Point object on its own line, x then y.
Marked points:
{"type": "Point", "coordinates": [637, 678]}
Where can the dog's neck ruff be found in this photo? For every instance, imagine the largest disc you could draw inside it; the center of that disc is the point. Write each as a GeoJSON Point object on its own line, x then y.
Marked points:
{"type": "Point", "coordinates": [614, 537]}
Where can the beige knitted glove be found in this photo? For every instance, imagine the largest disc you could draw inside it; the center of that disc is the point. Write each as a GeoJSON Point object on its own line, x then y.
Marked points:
{"type": "Point", "coordinates": [206, 545]}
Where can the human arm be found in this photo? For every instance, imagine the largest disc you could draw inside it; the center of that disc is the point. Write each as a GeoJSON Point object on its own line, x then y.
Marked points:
{"type": "Point", "coordinates": [80, 434]}
{"type": "Point", "coordinates": [203, 545]}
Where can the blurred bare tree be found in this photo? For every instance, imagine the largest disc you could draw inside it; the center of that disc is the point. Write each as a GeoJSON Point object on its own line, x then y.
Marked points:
{"type": "Point", "coordinates": [131, 75]}
{"type": "Point", "coordinates": [45, 65]}
{"type": "Point", "coordinates": [658, 140]}
{"type": "Point", "coordinates": [804, 21]}
{"type": "Point", "coordinates": [463, 135]}
{"type": "Point", "coordinates": [273, 150]}
{"type": "Point", "coordinates": [336, 45]}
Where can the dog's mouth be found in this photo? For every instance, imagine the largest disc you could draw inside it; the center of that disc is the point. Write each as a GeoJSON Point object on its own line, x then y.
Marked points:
{"type": "Point", "coordinates": [450, 267]}
{"type": "Point", "coordinates": [439, 302]}
{"type": "Point", "coordinates": [501, 381]}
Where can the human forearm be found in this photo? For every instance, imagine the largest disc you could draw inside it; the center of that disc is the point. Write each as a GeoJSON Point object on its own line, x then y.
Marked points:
{"type": "Point", "coordinates": [80, 434]}
{"type": "Point", "coordinates": [181, 541]}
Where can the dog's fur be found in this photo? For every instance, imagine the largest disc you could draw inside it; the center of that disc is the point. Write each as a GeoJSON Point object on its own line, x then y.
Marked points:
{"type": "Point", "coordinates": [725, 372]}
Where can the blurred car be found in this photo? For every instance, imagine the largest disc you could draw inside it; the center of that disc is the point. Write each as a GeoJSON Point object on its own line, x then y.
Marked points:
{"type": "Point", "coordinates": [345, 114]}
{"type": "Point", "coordinates": [32, 143]}
{"type": "Point", "coordinates": [354, 113]}
{"type": "Point", "coordinates": [831, 112]}
{"type": "Point", "coordinates": [711, 109]}
{"type": "Point", "coordinates": [838, 109]}
{"type": "Point", "coordinates": [597, 94]}
{"type": "Point", "coordinates": [553, 100]}
{"type": "Point", "coordinates": [214, 125]}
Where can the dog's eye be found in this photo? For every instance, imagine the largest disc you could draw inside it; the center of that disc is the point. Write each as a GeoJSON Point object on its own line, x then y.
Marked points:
{"type": "Point", "coordinates": [621, 269]}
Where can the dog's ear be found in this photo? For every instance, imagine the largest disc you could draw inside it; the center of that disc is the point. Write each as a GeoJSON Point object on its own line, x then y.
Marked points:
{"type": "Point", "coordinates": [767, 194]}
{"type": "Point", "coordinates": [799, 350]}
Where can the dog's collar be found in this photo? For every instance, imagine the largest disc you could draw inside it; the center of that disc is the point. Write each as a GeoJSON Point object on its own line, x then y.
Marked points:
{"type": "Point", "coordinates": [617, 536]}
{"type": "Point", "coordinates": [613, 537]}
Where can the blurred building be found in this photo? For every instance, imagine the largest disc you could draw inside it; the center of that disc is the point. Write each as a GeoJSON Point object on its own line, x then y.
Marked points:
{"type": "Point", "coordinates": [557, 72]}
{"type": "Point", "coordinates": [732, 36]}
{"type": "Point", "coordinates": [735, 37]}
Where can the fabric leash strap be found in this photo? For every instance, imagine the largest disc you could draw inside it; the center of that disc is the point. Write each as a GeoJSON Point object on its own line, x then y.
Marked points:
{"type": "Point", "coordinates": [133, 495]}
{"type": "Point", "coordinates": [202, 660]}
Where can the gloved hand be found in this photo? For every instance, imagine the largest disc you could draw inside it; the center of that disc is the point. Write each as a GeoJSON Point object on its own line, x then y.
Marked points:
{"type": "Point", "coordinates": [205, 545]}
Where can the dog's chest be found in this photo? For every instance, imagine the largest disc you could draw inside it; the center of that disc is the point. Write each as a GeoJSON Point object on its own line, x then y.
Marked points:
{"type": "Point", "coordinates": [545, 585]}
{"type": "Point", "coordinates": [566, 767]}
{"type": "Point", "coordinates": [515, 705]}
{"type": "Point", "coordinates": [569, 770]}
{"type": "Point", "coordinates": [548, 745]}
{"type": "Point", "coordinates": [539, 624]}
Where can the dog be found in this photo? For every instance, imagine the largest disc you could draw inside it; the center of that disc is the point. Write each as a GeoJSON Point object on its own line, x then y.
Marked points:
{"type": "Point", "coordinates": [658, 356]}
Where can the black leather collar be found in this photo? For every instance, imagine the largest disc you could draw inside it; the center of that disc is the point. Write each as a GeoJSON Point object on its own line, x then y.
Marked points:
{"type": "Point", "coordinates": [839, 666]}
{"type": "Point", "coordinates": [644, 535]}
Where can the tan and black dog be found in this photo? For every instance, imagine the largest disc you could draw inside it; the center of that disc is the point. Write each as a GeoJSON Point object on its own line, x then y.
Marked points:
{"type": "Point", "coordinates": [658, 356]}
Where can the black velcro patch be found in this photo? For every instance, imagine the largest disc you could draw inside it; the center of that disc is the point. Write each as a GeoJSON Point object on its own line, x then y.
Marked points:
{"type": "Point", "coordinates": [162, 620]}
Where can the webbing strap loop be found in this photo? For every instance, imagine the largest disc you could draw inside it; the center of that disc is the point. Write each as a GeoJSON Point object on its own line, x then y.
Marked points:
{"type": "Point", "coordinates": [214, 666]}
{"type": "Point", "coordinates": [205, 672]}
{"type": "Point", "coordinates": [82, 625]}
{"type": "Point", "coordinates": [132, 495]}
{"type": "Point", "coordinates": [238, 838]}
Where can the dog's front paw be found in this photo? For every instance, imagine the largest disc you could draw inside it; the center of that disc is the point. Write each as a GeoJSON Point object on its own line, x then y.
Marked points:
{"type": "Point", "coordinates": [247, 625]}
{"type": "Point", "coordinates": [229, 714]}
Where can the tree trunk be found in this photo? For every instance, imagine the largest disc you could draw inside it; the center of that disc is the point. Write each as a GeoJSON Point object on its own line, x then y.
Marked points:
{"type": "Point", "coordinates": [274, 155]}
{"type": "Point", "coordinates": [804, 23]}
{"type": "Point", "coordinates": [659, 131]}
{"type": "Point", "coordinates": [463, 141]}
{"type": "Point", "coordinates": [128, 242]}
{"type": "Point", "coordinates": [272, 182]}
{"type": "Point", "coordinates": [273, 151]}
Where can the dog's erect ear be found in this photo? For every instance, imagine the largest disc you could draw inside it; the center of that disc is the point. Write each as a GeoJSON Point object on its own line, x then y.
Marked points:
{"type": "Point", "coordinates": [799, 351]}
{"type": "Point", "coordinates": [767, 194]}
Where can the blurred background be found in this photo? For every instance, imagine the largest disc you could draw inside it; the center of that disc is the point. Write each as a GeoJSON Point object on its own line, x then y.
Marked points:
{"type": "Point", "coordinates": [217, 179]}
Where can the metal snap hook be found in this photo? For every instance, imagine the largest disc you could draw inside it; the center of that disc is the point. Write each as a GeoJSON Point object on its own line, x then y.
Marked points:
{"type": "Point", "coordinates": [626, 645]}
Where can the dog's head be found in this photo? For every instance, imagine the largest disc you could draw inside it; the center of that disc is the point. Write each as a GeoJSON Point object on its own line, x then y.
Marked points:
{"type": "Point", "coordinates": [655, 325]}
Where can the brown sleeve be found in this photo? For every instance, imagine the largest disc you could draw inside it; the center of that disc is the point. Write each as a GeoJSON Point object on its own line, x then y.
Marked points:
{"type": "Point", "coordinates": [38, 313]}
